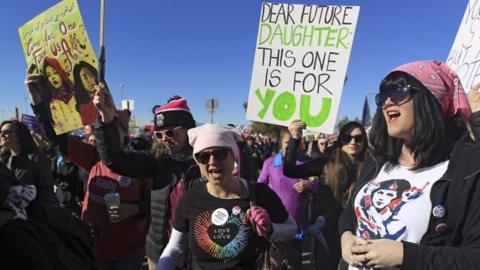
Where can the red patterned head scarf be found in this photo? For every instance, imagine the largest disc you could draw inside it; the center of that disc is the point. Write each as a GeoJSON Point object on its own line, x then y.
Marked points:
{"type": "Point", "coordinates": [443, 83]}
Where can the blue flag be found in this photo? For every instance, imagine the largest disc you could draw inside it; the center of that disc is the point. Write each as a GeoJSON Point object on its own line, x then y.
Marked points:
{"type": "Point", "coordinates": [366, 114]}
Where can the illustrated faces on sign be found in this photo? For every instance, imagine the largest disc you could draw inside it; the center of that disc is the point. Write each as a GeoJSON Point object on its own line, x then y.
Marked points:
{"type": "Point", "coordinates": [88, 79]}
{"type": "Point", "coordinates": [54, 77]}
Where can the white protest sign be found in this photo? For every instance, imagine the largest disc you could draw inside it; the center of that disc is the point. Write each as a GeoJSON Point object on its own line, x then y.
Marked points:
{"type": "Point", "coordinates": [464, 57]}
{"type": "Point", "coordinates": [128, 104]}
{"type": "Point", "coordinates": [300, 64]}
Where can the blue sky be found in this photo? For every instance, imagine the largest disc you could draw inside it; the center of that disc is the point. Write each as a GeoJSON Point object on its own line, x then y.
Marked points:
{"type": "Point", "coordinates": [204, 49]}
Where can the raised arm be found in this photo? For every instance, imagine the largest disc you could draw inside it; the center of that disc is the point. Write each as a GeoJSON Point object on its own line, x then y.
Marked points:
{"type": "Point", "coordinates": [290, 167]}
{"type": "Point", "coordinates": [109, 148]}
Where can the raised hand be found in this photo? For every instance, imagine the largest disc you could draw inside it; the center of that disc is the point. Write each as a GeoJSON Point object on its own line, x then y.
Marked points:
{"type": "Point", "coordinates": [35, 84]}
{"type": "Point", "coordinates": [301, 186]}
{"type": "Point", "coordinates": [474, 98]}
{"type": "Point", "coordinates": [261, 220]}
{"type": "Point", "coordinates": [103, 101]}
{"type": "Point", "coordinates": [295, 127]}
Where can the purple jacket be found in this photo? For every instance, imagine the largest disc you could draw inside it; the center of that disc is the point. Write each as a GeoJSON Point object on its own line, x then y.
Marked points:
{"type": "Point", "coordinates": [295, 203]}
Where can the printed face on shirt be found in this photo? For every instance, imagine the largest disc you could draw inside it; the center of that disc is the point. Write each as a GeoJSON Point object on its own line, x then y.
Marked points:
{"type": "Point", "coordinates": [383, 197]}
{"type": "Point", "coordinates": [54, 77]}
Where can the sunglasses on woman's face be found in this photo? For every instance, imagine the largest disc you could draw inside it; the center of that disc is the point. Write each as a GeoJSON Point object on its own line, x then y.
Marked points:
{"type": "Point", "coordinates": [398, 95]}
{"type": "Point", "coordinates": [170, 132]}
{"type": "Point", "coordinates": [219, 154]}
{"type": "Point", "coordinates": [348, 138]}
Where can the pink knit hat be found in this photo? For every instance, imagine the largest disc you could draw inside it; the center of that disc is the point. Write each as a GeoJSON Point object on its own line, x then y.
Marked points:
{"type": "Point", "coordinates": [213, 135]}
{"type": "Point", "coordinates": [442, 82]}
{"type": "Point", "coordinates": [173, 113]}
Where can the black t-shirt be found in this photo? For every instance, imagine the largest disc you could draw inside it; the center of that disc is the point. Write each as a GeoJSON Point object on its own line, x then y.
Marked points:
{"type": "Point", "coordinates": [219, 234]}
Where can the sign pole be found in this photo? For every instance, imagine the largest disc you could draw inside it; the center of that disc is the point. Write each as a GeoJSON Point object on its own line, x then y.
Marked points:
{"type": "Point", "coordinates": [101, 59]}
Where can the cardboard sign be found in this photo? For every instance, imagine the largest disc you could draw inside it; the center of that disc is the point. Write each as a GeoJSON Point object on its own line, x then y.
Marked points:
{"type": "Point", "coordinates": [57, 43]}
{"type": "Point", "coordinates": [31, 122]}
{"type": "Point", "coordinates": [300, 64]}
{"type": "Point", "coordinates": [464, 57]}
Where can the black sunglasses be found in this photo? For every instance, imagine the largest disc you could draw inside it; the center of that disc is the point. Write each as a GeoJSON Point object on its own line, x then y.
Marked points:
{"type": "Point", "coordinates": [397, 95]}
{"type": "Point", "coordinates": [348, 139]}
{"type": "Point", "coordinates": [219, 154]}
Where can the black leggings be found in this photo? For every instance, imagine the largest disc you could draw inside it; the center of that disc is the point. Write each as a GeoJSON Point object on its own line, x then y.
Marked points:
{"type": "Point", "coordinates": [20, 248]}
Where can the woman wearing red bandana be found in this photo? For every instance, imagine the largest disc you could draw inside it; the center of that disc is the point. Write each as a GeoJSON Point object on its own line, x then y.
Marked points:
{"type": "Point", "coordinates": [415, 203]}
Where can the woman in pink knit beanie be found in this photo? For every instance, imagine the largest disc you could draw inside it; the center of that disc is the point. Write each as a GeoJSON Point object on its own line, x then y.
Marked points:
{"type": "Point", "coordinates": [215, 219]}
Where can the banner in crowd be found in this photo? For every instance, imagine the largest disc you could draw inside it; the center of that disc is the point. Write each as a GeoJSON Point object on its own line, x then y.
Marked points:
{"type": "Point", "coordinates": [464, 57]}
{"type": "Point", "coordinates": [57, 44]}
{"type": "Point", "coordinates": [300, 63]}
{"type": "Point", "coordinates": [31, 122]}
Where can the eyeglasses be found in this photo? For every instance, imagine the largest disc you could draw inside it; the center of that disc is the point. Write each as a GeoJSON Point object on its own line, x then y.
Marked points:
{"type": "Point", "coordinates": [348, 139]}
{"type": "Point", "coordinates": [322, 143]}
{"type": "Point", "coordinates": [219, 154]}
{"type": "Point", "coordinates": [170, 132]}
{"type": "Point", "coordinates": [398, 95]}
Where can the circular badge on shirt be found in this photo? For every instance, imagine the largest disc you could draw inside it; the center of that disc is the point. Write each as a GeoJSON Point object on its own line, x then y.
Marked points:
{"type": "Point", "coordinates": [220, 216]}
{"type": "Point", "coordinates": [124, 181]}
{"type": "Point", "coordinates": [236, 210]}
{"type": "Point", "coordinates": [243, 218]}
{"type": "Point", "coordinates": [438, 211]}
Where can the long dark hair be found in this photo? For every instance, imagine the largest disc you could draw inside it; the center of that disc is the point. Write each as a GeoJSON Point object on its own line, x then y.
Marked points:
{"type": "Point", "coordinates": [24, 138]}
{"type": "Point", "coordinates": [81, 93]}
{"type": "Point", "coordinates": [434, 135]}
{"type": "Point", "coordinates": [341, 170]}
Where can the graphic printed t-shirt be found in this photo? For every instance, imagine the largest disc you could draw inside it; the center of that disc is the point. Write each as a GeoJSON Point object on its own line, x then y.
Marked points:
{"type": "Point", "coordinates": [220, 235]}
{"type": "Point", "coordinates": [396, 204]}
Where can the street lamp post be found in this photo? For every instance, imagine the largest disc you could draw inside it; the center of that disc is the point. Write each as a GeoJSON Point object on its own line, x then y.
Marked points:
{"type": "Point", "coordinates": [121, 89]}
{"type": "Point", "coordinates": [211, 104]}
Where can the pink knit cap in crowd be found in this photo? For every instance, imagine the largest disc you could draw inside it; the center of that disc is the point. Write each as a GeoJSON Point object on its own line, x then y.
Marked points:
{"type": "Point", "coordinates": [213, 135]}
{"type": "Point", "coordinates": [173, 113]}
{"type": "Point", "coordinates": [442, 82]}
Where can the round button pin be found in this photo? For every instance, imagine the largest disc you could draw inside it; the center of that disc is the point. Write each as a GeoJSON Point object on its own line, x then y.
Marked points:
{"type": "Point", "coordinates": [236, 210]}
{"type": "Point", "coordinates": [441, 227]}
{"type": "Point", "coordinates": [438, 211]}
{"type": "Point", "coordinates": [220, 216]}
